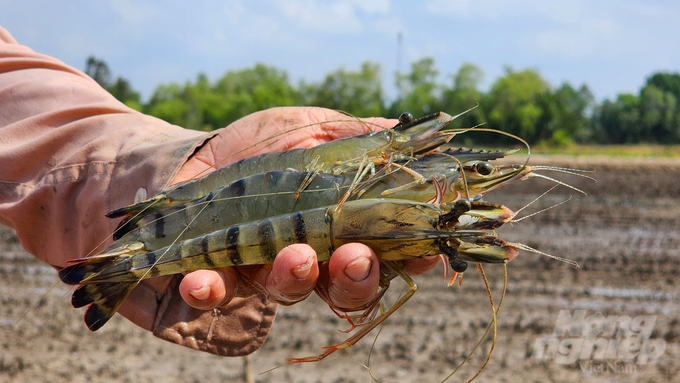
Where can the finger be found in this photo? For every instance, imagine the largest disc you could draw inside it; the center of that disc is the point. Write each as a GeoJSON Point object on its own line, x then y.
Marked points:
{"type": "Point", "coordinates": [420, 265]}
{"type": "Point", "coordinates": [207, 289]}
{"type": "Point", "coordinates": [334, 125]}
{"type": "Point", "coordinates": [292, 276]}
{"type": "Point", "coordinates": [352, 278]}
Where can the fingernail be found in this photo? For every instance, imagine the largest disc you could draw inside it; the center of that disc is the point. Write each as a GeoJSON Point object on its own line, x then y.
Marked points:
{"type": "Point", "coordinates": [302, 271]}
{"type": "Point", "coordinates": [202, 294]}
{"type": "Point", "coordinates": [358, 269]}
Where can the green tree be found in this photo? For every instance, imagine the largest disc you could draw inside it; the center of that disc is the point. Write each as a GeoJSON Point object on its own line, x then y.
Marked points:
{"type": "Point", "coordinates": [123, 91]}
{"type": "Point", "coordinates": [168, 104]}
{"type": "Point", "coordinates": [418, 90]}
{"type": "Point", "coordinates": [120, 88]}
{"type": "Point", "coordinates": [652, 116]}
{"type": "Point", "coordinates": [666, 82]}
{"type": "Point", "coordinates": [658, 115]}
{"type": "Point", "coordinates": [203, 106]}
{"type": "Point", "coordinates": [358, 93]}
{"type": "Point", "coordinates": [513, 104]}
{"type": "Point", "coordinates": [465, 94]}
{"type": "Point", "coordinates": [98, 70]}
{"type": "Point", "coordinates": [564, 116]}
{"type": "Point", "coordinates": [618, 122]}
{"type": "Point", "coordinates": [249, 90]}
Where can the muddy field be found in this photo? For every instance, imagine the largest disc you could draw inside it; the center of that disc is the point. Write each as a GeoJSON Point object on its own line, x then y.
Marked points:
{"type": "Point", "coordinates": [625, 235]}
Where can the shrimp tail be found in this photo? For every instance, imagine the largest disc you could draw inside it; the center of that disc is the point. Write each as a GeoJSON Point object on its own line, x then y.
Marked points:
{"type": "Point", "coordinates": [133, 209]}
{"type": "Point", "coordinates": [83, 269]}
{"type": "Point", "coordinates": [132, 213]}
{"type": "Point", "coordinates": [112, 266]}
{"type": "Point", "coordinates": [125, 226]}
{"type": "Point", "coordinates": [104, 298]}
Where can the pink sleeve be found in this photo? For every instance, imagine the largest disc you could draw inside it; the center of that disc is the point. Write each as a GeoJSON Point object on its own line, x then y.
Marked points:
{"type": "Point", "coordinates": [69, 153]}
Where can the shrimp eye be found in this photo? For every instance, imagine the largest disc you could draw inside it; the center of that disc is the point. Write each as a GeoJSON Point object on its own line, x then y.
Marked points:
{"type": "Point", "coordinates": [405, 118]}
{"type": "Point", "coordinates": [484, 168]}
{"type": "Point", "coordinates": [462, 205]}
{"type": "Point", "coordinates": [459, 266]}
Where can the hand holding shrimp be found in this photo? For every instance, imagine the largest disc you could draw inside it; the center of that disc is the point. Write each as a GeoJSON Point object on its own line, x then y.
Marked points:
{"type": "Point", "coordinates": [349, 280]}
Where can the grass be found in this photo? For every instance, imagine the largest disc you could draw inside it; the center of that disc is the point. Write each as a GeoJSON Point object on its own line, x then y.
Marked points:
{"type": "Point", "coordinates": [642, 150]}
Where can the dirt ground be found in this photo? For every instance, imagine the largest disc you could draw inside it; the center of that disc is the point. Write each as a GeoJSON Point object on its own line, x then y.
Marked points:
{"type": "Point", "coordinates": [624, 234]}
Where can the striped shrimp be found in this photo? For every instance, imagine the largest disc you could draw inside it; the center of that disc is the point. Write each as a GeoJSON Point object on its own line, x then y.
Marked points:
{"type": "Point", "coordinates": [205, 224]}
{"type": "Point", "coordinates": [409, 137]}
{"type": "Point", "coordinates": [276, 192]}
{"type": "Point", "coordinates": [462, 231]}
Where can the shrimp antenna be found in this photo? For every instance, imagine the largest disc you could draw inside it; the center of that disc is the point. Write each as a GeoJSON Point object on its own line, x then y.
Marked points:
{"type": "Point", "coordinates": [532, 250]}
{"type": "Point", "coordinates": [542, 210]}
{"type": "Point", "coordinates": [465, 111]}
{"type": "Point", "coordinates": [536, 199]}
{"type": "Point", "coordinates": [557, 182]}
{"type": "Point", "coordinates": [573, 172]}
{"type": "Point", "coordinates": [493, 324]}
{"type": "Point", "coordinates": [524, 142]}
{"type": "Point", "coordinates": [462, 174]}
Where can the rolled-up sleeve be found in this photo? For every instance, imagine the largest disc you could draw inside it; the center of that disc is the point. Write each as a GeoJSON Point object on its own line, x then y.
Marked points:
{"type": "Point", "coordinates": [69, 153]}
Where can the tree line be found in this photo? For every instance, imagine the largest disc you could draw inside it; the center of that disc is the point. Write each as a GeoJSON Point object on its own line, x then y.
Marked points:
{"type": "Point", "coordinates": [519, 102]}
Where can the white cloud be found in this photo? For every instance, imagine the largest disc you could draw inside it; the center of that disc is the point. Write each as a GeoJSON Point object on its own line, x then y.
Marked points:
{"type": "Point", "coordinates": [502, 11]}
{"type": "Point", "coordinates": [338, 17]}
{"type": "Point", "coordinates": [574, 41]}
{"type": "Point", "coordinates": [567, 29]}
{"type": "Point", "coordinates": [134, 12]}
{"type": "Point", "coordinates": [485, 10]}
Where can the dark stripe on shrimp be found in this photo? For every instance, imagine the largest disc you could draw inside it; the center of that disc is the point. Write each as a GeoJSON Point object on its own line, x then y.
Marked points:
{"type": "Point", "coordinates": [154, 272]}
{"type": "Point", "coordinates": [205, 248]}
{"type": "Point", "coordinates": [237, 188]}
{"type": "Point", "coordinates": [207, 258]}
{"type": "Point", "coordinates": [232, 245]}
{"type": "Point", "coordinates": [299, 228]}
{"type": "Point", "coordinates": [160, 225]}
{"type": "Point", "coordinates": [265, 231]}
{"type": "Point", "coordinates": [328, 219]}
{"type": "Point", "coordinates": [205, 244]}
{"type": "Point", "coordinates": [151, 258]}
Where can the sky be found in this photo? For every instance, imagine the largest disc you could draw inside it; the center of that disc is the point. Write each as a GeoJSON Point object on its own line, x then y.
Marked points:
{"type": "Point", "coordinates": [610, 45]}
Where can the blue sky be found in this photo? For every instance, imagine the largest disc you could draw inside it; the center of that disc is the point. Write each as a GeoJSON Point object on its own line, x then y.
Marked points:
{"type": "Point", "coordinates": [611, 45]}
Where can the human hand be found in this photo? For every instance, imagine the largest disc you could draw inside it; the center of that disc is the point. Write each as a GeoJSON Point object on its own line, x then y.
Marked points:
{"type": "Point", "coordinates": [349, 280]}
